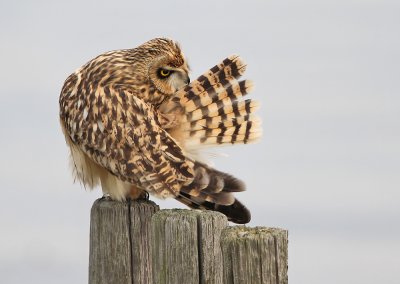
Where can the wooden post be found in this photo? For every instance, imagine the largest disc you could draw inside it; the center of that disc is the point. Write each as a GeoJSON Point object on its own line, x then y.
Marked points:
{"type": "Point", "coordinates": [186, 246]}
{"type": "Point", "coordinates": [132, 243]}
{"type": "Point", "coordinates": [120, 242]}
{"type": "Point", "coordinates": [255, 255]}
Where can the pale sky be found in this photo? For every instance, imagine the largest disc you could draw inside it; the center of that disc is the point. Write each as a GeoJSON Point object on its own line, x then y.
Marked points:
{"type": "Point", "coordinates": [327, 169]}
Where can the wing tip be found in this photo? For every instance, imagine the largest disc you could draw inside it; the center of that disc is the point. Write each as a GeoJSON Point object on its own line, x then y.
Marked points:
{"type": "Point", "coordinates": [236, 213]}
{"type": "Point", "coordinates": [239, 62]}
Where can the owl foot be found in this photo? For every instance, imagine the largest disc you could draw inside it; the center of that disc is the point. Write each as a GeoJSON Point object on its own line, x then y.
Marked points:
{"type": "Point", "coordinates": [137, 194]}
{"type": "Point", "coordinates": [106, 197]}
{"type": "Point", "coordinates": [144, 195]}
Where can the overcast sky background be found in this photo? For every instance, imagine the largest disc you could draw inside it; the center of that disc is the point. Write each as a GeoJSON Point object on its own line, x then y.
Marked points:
{"type": "Point", "coordinates": [327, 74]}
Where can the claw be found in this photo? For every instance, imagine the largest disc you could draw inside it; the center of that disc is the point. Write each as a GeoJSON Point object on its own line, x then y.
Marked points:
{"type": "Point", "coordinates": [144, 195]}
{"type": "Point", "coordinates": [106, 196]}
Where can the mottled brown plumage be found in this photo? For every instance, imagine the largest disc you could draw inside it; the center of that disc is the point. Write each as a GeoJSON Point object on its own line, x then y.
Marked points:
{"type": "Point", "coordinates": [132, 124]}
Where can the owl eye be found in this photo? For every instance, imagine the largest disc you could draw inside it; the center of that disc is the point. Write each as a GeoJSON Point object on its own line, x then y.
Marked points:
{"type": "Point", "coordinates": [164, 73]}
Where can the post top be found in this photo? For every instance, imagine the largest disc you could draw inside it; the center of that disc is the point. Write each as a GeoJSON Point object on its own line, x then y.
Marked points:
{"type": "Point", "coordinates": [243, 232]}
{"type": "Point", "coordinates": [188, 212]}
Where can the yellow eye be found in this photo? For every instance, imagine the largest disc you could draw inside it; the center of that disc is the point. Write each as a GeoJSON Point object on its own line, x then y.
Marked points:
{"type": "Point", "coordinates": [164, 73]}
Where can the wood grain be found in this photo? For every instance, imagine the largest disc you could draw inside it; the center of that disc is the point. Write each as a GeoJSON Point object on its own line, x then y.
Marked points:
{"type": "Point", "coordinates": [134, 243]}
{"type": "Point", "coordinates": [186, 246]}
{"type": "Point", "coordinates": [255, 255]}
{"type": "Point", "coordinates": [119, 242]}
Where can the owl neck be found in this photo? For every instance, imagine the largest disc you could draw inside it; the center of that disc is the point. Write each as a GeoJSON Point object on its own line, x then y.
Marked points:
{"type": "Point", "coordinates": [148, 93]}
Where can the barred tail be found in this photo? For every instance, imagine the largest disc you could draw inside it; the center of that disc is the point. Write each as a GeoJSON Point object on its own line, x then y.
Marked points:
{"type": "Point", "coordinates": [213, 190]}
{"type": "Point", "coordinates": [213, 110]}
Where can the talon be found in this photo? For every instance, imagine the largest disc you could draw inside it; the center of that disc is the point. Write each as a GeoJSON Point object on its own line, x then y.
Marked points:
{"type": "Point", "coordinates": [136, 193]}
{"type": "Point", "coordinates": [106, 196]}
{"type": "Point", "coordinates": [144, 195]}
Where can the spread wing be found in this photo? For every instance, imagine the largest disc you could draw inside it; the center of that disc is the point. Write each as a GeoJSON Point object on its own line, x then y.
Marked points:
{"type": "Point", "coordinates": [122, 133]}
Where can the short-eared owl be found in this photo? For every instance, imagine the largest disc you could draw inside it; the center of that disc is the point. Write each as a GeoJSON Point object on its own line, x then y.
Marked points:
{"type": "Point", "coordinates": [135, 123]}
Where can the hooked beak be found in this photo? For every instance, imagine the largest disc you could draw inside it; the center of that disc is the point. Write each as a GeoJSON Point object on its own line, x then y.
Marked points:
{"type": "Point", "coordinates": [186, 79]}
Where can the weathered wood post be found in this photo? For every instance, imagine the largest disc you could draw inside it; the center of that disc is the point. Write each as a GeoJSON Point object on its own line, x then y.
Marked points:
{"type": "Point", "coordinates": [120, 237]}
{"type": "Point", "coordinates": [255, 255]}
{"type": "Point", "coordinates": [132, 243]}
{"type": "Point", "coordinates": [186, 246]}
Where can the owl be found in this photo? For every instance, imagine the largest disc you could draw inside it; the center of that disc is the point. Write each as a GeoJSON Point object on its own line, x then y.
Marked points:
{"type": "Point", "coordinates": [135, 125]}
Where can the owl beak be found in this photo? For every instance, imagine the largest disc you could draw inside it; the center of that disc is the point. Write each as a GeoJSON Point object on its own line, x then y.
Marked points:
{"type": "Point", "coordinates": [187, 79]}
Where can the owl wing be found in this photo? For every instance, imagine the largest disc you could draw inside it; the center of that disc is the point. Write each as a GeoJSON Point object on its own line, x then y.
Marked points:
{"type": "Point", "coordinates": [212, 108]}
{"type": "Point", "coordinates": [212, 112]}
{"type": "Point", "coordinates": [121, 133]}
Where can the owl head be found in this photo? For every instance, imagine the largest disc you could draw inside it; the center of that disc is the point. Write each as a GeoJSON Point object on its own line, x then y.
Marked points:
{"type": "Point", "coordinates": [167, 68]}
